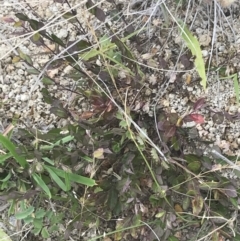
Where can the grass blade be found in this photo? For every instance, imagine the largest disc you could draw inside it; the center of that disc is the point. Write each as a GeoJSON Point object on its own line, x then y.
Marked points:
{"type": "Point", "coordinates": [56, 178]}
{"type": "Point", "coordinates": [74, 177]}
{"type": "Point", "coordinates": [193, 44]}
{"type": "Point", "coordinates": [12, 149]}
{"type": "Point", "coordinates": [42, 184]}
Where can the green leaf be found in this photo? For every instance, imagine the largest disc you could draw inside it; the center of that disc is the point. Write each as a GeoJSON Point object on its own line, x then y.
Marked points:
{"type": "Point", "coordinates": [21, 16]}
{"type": "Point", "coordinates": [194, 166]}
{"type": "Point", "coordinates": [40, 213]}
{"type": "Point", "coordinates": [236, 87]}
{"type": "Point", "coordinates": [67, 181]}
{"type": "Point", "coordinates": [42, 184]}
{"type": "Point", "coordinates": [64, 140]}
{"type": "Point", "coordinates": [57, 40]}
{"type": "Point", "coordinates": [45, 233]}
{"type": "Point", "coordinates": [36, 37]}
{"type": "Point", "coordinates": [6, 178]}
{"type": "Point", "coordinates": [234, 202]}
{"type": "Point", "coordinates": [25, 57]}
{"type": "Point", "coordinates": [60, 112]}
{"type": "Point", "coordinates": [71, 17]}
{"type": "Point", "coordinates": [74, 177]}
{"type": "Point", "coordinates": [4, 157]}
{"type": "Point", "coordinates": [105, 42]}
{"type": "Point", "coordinates": [209, 185]}
{"type": "Point", "coordinates": [46, 159]}
{"type": "Point", "coordinates": [112, 198]}
{"type": "Point", "coordinates": [36, 231]}
{"type": "Point", "coordinates": [186, 203]}
{"type": "Point", "coordinates": [160, 214]}
{"type": "Point", "coordinates": [46, 96]}
{"type": "Point", "coordinates": [193, 44]}
{"type": "Point", "coordinates": [4, 236]}
{"type": "Point", "coordinates": [29, 60]}
{"type": "Point", "coordinates": [90, 54]}
{"type": "Point", "coordinates": [38, 223]}
{"type": "Point", "coordinates": [56, 178]}
{"type": "Point", "coordinates": [35, 24]}
{"type": "Point", "coordinates": [32, 71]}
{"type": "Point", "coordinates": [172, 238]}
{"type": "Point", "coordinates": [28, 220]}
{"type": "Point", "coordinates": [25, 213]}
{"type": "Point", "coordinates": [12, 149]}
{"type": "Point", "coordinates": [47, 81]}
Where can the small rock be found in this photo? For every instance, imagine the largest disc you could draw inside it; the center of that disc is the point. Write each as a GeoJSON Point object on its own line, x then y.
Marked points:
{"type": "Point", "coordinates": [20, 72]}
{"type": "Point", "coordinates": [24, 89]}
{"type": "Point", "coordinates": [204, 53]}
{"type": "Point", "coordinates": [221, 48]}
{"type": "Point", "coordinates": [62, 33]}
{"type": "Point", "coordinates": [24, 97]}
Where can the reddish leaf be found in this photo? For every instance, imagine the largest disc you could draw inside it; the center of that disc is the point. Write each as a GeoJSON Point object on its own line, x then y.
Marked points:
{"type": "Point", "coordinates": [163, 125]}
{"type": "Point", "coordinates": [100, 15]}
{"type": "Point", "coordinates": [7, 19]}
{"type": "Point", "coordinates": [86, 115]}
{"type": "Point", "coordinates": [199, 104]}
{"type": "Point", "coordinates": [98, 101]}
{"type": "Point", "coordinates": [199, 119]}
{"type": "Point", "coordinates": [170, 131]}
{"type": "Point", "coordinates": [178, 208]}
{"type": "Point", "coordinates": [109, 106]}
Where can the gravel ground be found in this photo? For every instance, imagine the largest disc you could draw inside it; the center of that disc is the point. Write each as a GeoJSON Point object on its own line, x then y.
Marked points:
{"type": "Point", "coordinates": [20, 91]}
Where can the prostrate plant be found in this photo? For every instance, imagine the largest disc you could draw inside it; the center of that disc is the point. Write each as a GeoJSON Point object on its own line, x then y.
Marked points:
{"type": "Point", "coordinates": [109, 165]}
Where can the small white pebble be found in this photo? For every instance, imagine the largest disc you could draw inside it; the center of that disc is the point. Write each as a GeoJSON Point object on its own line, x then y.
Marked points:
{"type": "Point", "coordinates": [24, 97]}
{"type": "Point", "coordinates": [24, 89]}
{"type": "Point", "coordinates": [190, 89]}
{"type": "Point", "coordinates": [221, 48]}
{"type": "Point", "coordinates": [204, 53]}
{"type": "Point", "coordinates": [20, 72]}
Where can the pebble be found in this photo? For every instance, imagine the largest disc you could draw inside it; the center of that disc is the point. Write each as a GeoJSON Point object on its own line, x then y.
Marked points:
{"type": "Point", "coordinates": [24, 88]}
{"type": "Point", "coordinates": [24, 97]}
{"type": "Point", "coordinates": [20, 72]}
{"type": "Point", "coordinates": [204, 53]}
{"type": "Point", "coordinates": [221, 48]}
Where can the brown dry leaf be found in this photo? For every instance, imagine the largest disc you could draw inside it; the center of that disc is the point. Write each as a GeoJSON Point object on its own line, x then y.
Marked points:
{"type": "Point", "coordinates": [8, 129]}
{"type": "Point", "coordinates": [86, 115]}
{"type": "Point", "coordinates": [178, 208]}
{"type": "Point", "coordinates": [197, 204]}
{"type": "Point", "coordinates": [145, 19]}
{"type": "Point", "coordinates": [16, 59]}
{"type": "Point", "coordinates": [107, 239]}
{"type": "Point", "coordinates": [147, 56]}
{"type": "Point", "coordinates": [154, 50]}
{"type": "Point", "coordinates": [188, 79]}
